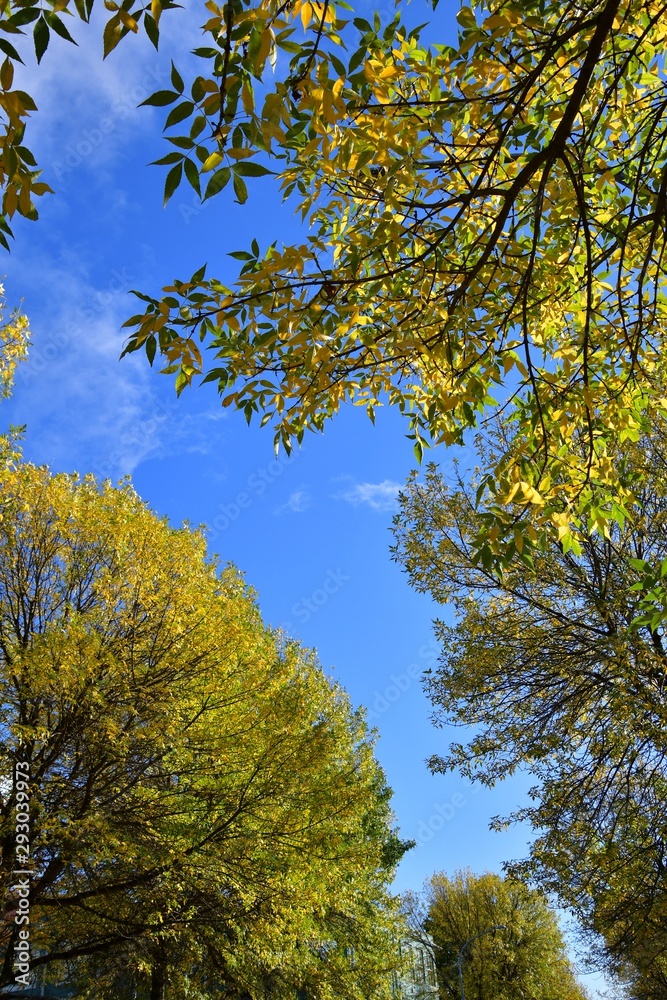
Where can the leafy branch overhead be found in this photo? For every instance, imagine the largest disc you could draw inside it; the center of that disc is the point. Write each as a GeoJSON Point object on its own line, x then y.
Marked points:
{"type": "Point", "coordinates": [486, 230]}
{"type": "Point", "coordinates": [19, 172]}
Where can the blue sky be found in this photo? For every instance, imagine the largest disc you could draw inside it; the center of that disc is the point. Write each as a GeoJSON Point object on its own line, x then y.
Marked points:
{"type": "Point", "coordinates": [311, 533]}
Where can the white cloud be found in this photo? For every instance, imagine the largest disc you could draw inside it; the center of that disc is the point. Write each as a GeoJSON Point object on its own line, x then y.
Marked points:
{"type": "Point", "coordinates": [378, 496]}
{"type": "Point", "coordinates": [297, 502]}
{"type": "Point", "coordinates": [81, 405]}
{"type": "Point", "coordinates": [88, 107]}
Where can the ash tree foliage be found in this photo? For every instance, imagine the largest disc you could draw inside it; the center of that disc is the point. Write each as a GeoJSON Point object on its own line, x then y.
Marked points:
{"type": "Point", "coordinates": [207, 817]}
{"type": "Point", "coordinates": [486, 228]}
{"type": "Point", "coordinates": [560, 674]}
{"type": "Point", "coordinates": [642, 985]}
{"type": "Point", "coordinates": [524, 958]}
{"type": "Point", "coordinates": [14, 341]}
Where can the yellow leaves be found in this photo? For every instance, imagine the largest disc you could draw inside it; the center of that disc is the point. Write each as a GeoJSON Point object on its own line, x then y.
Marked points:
{"type": "Point", "coordinates": [498, 21]}
{"type": "Point", "coordinates": [512, 492]}
{"type": "Point", "coordinates": [388, 73]}
{"type": "Point", "coordinates": [211, 104]}
{"type": "Point", "coordinates": [402, 184]}
{"type": "Point", "coordinates": [523, 491]}
{"type": "Point", "coordinates": [211, 162]}
{"type": "Point", "coordinates": [266, 43]}
{"type": "Point", "coordinates": [330, 113]}
{"type": "Point", "coordinates": [6, 74]}
{"type": "Point", "coordinates": [240, 153]}
{"type": "Point", "coordinates": [209, 86]}
{"type": "Point", "coordinates": [375, 70]}
{"type": "Point", "coordinates": [40, 188]}
{"type": "Point", "coordinates": [247, 98]}
{"type": "Point", "coordinates": [497, 910]}
{"type": "Point", "coordinates": [15, 104]}
{"type": "Point", "coordinates": [128, 20]}
{"type": "Point", "coordinates": [14, 342]}
{"type": "Point", "coordinates": [112, 33]}
{"type": "Point", "coordinates": [561, 521]}
{"type": "Point", "coordinates": [606, 177]}
{"type": "Point", "coordinates": [306, 12]}
{"type": "Point", "coordinates": [312, 12]}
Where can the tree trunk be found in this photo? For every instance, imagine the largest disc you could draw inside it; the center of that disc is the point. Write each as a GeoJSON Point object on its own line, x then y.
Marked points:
{"type": "Point", "coordinates": [158, 982]}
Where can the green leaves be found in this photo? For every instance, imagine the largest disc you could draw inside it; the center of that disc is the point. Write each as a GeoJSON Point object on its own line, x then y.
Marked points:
{"type": "Point", "coordinates": [160, 99]}
{"type": "Point", "coordinates": [152, 30]}
{"type": "Point", "coordinates": [251, 169]}
{"type": "Point", "coordinates": [152, 787]}
{"type": "Point", "coordinates": [9, 50]}
{"type": "Point", "coordinates": [19, 168]}
{"type": "Point", "coordinates": [204, 104]}
{"type": "Point", "coordinates": [172, 181]}
{"type": "Point", "coordinates": [24, 15]}
{"type": "Point", "coordinates": [40, 36]}
{"type": "Point", "coordinates": [241, 192]}
{"type": "Point", "coordinates": [113, 31]}
{"type": "Point", "coordinates": [429, 276]}
{"type": "Point", "coordinates": [558, 671]}
{"type": "Point", "coordinates": [192, 174]}
{"type": "Point", "coordinates": [652, 591]}
{"type": "Point", "coordinates": [177, 114]}
{"type": "Point", "coordinates": [218, 181]}
{"type": "Point", "coordinates": [446, 190]}
{"type": "Point", "coordinates": [57, 25]}
{"type": "Point", "coordinates": [176, 80]}
{"type": "Point", "coordinates": [518, 948]}
{"type": "Point", "coordinates": [466, 18]}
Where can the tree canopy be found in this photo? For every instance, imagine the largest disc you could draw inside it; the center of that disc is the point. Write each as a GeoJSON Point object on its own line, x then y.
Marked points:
{"type": "Point", "coordinates": [486, 227]}
{"type": "Point", "coordinates": [562, 676]}
{"type": "Point", "coordinates": [523, 958]}
{"type": "Point", "coordinates": [206, 812]}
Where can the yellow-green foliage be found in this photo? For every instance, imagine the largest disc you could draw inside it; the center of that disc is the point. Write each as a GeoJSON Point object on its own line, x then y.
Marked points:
{"type": "Point", "coordinates": [555, 673]}
{"type": "Point", "coordinates": [523, 959]}
{"type": "Point", "coordinates": [14, 340]}
{"type": "Point", "coordinates": [200, 799]}
{"type": "Point", "coordinates": [486, 226]}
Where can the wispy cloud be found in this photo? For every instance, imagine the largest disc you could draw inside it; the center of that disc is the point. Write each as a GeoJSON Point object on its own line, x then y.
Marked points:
{"type": "Point", "coordinates": [79, 403]}
{"type": "Point", "coordinates": [297, 502]}
{"type": "Point", "coordinates": [88, 108]}
{"type": "Point", "coordinates": [378, 496]}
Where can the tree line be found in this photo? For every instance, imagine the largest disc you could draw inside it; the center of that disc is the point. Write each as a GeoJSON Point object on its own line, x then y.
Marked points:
{"type": "Point", "coordinates": [485, 252]}
{"type": "Point", "coordinates": [189, 807]}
